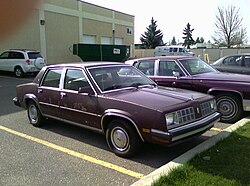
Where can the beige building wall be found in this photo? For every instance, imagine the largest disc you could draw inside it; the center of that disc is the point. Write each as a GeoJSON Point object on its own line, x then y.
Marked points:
{"type": "Point", "coordinates": [61, 31]}
{"type": "Point", "coordinates": [26, 37]}
{"type": "Point", "coordinates": [58, 24]}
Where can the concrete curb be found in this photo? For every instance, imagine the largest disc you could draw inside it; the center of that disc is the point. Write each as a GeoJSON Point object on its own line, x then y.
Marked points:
{"type": "Point", "coordinates": [165, 169]}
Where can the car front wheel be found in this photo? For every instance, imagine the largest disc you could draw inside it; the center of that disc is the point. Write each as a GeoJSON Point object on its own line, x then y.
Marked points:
{"type": "Point", "coordinates": [230, 107]}
{"type": "Point", "coordinates": [122, 139]}
{"type": "Point", "coordinates": [34, 114]}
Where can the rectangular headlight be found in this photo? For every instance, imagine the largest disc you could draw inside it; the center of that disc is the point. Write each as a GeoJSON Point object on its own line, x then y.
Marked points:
{"type": "Point", "coordinates": [171, 119]}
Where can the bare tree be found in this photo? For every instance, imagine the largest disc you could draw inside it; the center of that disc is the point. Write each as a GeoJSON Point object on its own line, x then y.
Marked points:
{"type": "Point", "coordinates": [229, 27]}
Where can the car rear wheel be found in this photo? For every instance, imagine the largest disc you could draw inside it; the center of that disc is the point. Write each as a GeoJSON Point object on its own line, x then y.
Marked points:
{"type": "Point", "coordinates": [230, 107]}
{"type": "Point", "coordinates": [18, 72]}
{"type": "Point", "coordinates": [122, 139]}
{"type": "Point", "coordinates": [34, 114]}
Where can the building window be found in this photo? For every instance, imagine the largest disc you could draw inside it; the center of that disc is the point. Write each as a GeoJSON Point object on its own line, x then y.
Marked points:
{"type": "Point", "coordinates": [118, 41]}
{"type": "Point", "coordinates": [106, 40]}
{"type": "Point", "coordinates": [129, 30]}
{"type": "Point", "coordinates": [88, 39]}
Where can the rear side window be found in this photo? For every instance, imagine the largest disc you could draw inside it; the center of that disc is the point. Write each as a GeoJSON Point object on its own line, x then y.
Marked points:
{"type": "Point", "coordinates": [34, 55]}
{"type": "Point", "coordinates": [232, 61]}
{"type": "Point", "coordinates": [52, 78]}
{"type": "Point", "coordinates": [147, 67]}
{"type": "Point", "coordinates": [247, 61]}
{"type": "Point", "coordinates": [16, 55]}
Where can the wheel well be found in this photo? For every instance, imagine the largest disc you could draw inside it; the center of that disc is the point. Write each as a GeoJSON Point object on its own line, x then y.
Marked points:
{"type": "Point", "coordinates": [18, 66]}
{"type": "Point", "coordinates": [236, 94]}
{"type": "Point", "coordinates": [107, 119]}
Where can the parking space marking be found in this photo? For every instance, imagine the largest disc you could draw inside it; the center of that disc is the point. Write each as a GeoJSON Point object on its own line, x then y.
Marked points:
{"type": "Point", "coordinates": [74, 153]}
{"type": "Point", "coordinates": [216, 129]}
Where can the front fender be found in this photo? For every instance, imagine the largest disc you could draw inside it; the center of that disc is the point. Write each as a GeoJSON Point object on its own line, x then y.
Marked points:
{"type": "Point", "coordinates": [119, 114]}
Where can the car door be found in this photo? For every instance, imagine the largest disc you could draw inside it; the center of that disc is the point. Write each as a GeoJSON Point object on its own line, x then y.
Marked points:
{"type": "Point", "coordinates": [78, 108]}
{"type": "Point", "coordinates": [48, 93]}
{"type": "Point", "coordinates": [232, 64]}
{"type": "Point", "coordinates": [4, 60]}
{"type": "Point", "coordinates": [246, 65]}
{"type": "Point", "coordinates": [166, 75]}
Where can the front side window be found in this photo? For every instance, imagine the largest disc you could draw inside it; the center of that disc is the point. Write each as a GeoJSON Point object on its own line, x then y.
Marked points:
{"type": "Point", "coordinates": [147, 67]}
{"type": "Point", "coordinates": [75, 79]}
{"type": "Point", "coordinates": [232, 61]}
{"type": "Point", "coordinates": [52, 78]}
{"type": "Point", "coordinates": [167, 68]}
{"type": "Point", "coordinates": [5, 55]}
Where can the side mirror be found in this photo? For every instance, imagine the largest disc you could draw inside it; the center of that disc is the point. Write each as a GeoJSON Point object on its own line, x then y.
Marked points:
{"type": "Point", "coordinates": [86, 90]}
{"type": "Point", "coordinates": [176, 74]}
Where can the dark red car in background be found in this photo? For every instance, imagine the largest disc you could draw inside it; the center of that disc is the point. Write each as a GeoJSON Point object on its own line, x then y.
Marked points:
{"type": "Point", "coordinates": [232, 91]}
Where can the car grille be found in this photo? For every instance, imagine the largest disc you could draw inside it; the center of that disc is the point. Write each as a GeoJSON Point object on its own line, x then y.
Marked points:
{"type": "Point", "coordinates": [206, 109]}
{"type": "Point", "coordinates": [185, 115]}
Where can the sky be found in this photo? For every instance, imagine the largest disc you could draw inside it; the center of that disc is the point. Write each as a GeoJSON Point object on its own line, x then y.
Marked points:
{"type": "Point", "coordinates": [172, 16]}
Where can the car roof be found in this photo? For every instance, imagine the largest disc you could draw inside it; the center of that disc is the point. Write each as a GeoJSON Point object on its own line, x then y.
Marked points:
{"type": "Point", "coordinates": [21, 50]}
{"type": "Point", "coordinates": [163, 57]}
{"type": "Point", "coordinates": [87, 64]}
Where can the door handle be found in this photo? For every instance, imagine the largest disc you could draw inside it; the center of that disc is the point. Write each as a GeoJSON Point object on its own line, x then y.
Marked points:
{"type": "Point", "coordinates": [174, 83]}
{"type": "Point", "coordinates": [63, 94]}
{"type": "Point", "coordinates": [39, 91]}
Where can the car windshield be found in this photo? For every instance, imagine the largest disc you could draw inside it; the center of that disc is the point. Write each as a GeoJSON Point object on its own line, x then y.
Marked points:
{"type": "Point", "coordinates": [119, 77]}
{"type": "Point", "coordinates": [196, 66]}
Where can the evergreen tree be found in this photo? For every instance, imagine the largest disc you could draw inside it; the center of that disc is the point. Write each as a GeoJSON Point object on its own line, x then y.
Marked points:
{"type": "Point", "coordinates": [173, 42]}
{"type": "Point", "coordinates": [153, 36]}
{"type": "Point", "coordinates": [202, 40]}
{"type": "Point", "coordinates": [188, 39]}
{"type": "Point", "coordinates": [197, 40]}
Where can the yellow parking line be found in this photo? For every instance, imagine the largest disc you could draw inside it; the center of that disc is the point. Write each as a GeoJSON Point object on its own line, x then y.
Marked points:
{"type": "Point", "coordinates": [76, 154]}
{"type": "Point", "coordinates": [216, 129]}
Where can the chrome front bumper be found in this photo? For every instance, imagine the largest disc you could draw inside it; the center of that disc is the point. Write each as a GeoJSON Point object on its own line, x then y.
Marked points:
{"type": "Point", "coordinates": [188, 130]}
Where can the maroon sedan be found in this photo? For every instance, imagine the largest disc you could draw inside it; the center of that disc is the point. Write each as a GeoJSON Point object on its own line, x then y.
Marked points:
{"type": "Point", "coordinates": [232, 91]}
{"type": "Point", "coordinates": [116, 100]}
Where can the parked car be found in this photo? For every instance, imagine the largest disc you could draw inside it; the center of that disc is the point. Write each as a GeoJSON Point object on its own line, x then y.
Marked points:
{"type": "Point", "coordinates": [116, 100]}
{"type": "Point", "coordinates": [172, 50]}
{"type": "Point", "coordinates": [232, 91]}
{"type": "Point", "coordinates": [238, 63]}
{"type": "Point", "coordinates": [21, 61]}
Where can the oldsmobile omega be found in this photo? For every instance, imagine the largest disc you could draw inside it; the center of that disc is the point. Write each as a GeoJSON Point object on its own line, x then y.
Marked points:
{"type": "Point", "coordinates": [118, 101]}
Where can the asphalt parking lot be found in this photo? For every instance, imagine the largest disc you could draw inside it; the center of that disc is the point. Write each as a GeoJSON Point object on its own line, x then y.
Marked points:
{"type": "Point", "coordinates": [62, 154]}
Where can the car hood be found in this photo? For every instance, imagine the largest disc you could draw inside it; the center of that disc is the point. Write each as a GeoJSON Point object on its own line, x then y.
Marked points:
{"type": "Point", "coordinates": [223, 76]}
{"type": "Point", "coordinates": [158, 98]}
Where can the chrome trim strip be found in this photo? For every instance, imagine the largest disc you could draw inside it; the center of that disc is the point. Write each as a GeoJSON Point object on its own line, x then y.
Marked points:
{"type": "Point", "coordinates": [76, 124]}
{"type": "Point", "coordinates": [80, 111]}
{"type": "Point", "coordinates": [122, 116]}
{"type": "Point", "coordinates": [246, 105]}
{"type": "Point", "coordinates": [192, 132]}
{"type": "Point", "coordinates": [48, 104]}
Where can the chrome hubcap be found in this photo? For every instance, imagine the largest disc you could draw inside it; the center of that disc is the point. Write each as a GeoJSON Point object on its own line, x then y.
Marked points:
{"type": "Point", "coordinates": [33, 114]}
{"type": "Point", "coordinates": [227, 107]}
{"type": "Point", "coordinates": [119, 138]}
{"type": "Point", "coordinates": [18, 72]}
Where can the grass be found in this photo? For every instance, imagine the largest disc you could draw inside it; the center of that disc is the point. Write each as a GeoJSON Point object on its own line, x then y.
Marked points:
{"type": "Point", "coordinates": [225, 164]}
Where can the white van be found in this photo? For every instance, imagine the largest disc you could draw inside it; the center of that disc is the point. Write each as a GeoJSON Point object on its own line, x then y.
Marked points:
{"type": "Point", "coordinates": [171, 50]}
